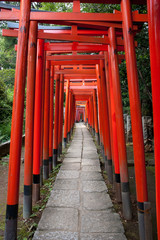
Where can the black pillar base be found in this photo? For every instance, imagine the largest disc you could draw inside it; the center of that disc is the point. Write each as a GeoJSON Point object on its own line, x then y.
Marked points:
{"type": "Point", "coordinates": [55, 157]}
{"type": "Point", "coordinates": [50, 164]}
{"type": "Point", "coordinates": [36, 187]}
{"type": "Point", "coordinates": [46, 169]}
{"type": "Point", "coordinates": [68, 137]}
{"type": "Point", "coordinates": [65, 142]}
{"type": "Point", "coordinates": [11, 222]}
{"type": "Point", "coordinates": [118, 188]}
{"type": "Point", "coordinates": [41, 176]}
{"type": "Point", "coordinates": [27, 201]}
{"type": "Point", "coordinates": [60, 149]}
{"type": "Point", "coordinates": [110, 171]}
{"type": "Point", "coordinates": [126, 203]}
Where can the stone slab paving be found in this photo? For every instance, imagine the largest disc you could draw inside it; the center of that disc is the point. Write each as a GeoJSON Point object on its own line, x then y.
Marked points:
{"type": "Point", "coordinates": [79, 207]}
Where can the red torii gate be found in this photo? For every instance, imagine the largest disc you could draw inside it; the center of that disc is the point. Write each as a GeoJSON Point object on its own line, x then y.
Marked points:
{"type": "Point", "coordinates": [126, 18]}
{"type": "Point", "coordinates": [55, 118]}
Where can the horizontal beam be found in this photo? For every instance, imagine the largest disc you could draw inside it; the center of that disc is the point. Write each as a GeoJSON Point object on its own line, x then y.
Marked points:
{"type": "Point", "coordinates": [55, 48]}
{"type": "Point", "coordinates": [76, 72]}
{"type": "Point", "coordinates": [81, 84]}
{"type": "Point", "coordinates": [79, 32]}
{"type": "Point", "coordinates": [75, 62]}
{"type": "Point", "coordinates": [50, 17]}
{"type": "Point", "coordinates": [73, 38]}
{"type": "Point", "coordinates": [74, 81]}
{"type": "Point", "coordinates": [82, 87]}
{"type": "Point", "coordinates": [77, 77]}
{"type": "Point", "coordinates": [77, 38]}
{"type": "Point", "coordinates": [74, 57]}
{"type": "Point", "coordinates": [78, 66]}
{"type": "Point", "coordinates": [97, 25]}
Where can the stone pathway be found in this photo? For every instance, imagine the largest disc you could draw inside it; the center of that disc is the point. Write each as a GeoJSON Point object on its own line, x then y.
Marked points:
{"type": "Point", "coordinates": [79, 207]}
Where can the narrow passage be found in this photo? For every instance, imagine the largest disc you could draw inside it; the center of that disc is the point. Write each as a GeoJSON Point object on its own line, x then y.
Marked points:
{"type": "Point", "coordinates": [79, 207]}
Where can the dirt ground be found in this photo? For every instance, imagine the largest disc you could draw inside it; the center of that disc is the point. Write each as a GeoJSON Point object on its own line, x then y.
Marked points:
{"type": "Point", "coordinates": [3, 189]}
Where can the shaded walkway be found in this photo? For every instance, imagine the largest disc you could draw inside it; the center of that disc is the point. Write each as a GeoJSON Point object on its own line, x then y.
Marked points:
{"type": "Point", "coordinates": [79, 206]}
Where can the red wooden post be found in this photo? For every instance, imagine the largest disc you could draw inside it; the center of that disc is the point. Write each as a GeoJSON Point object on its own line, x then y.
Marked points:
{"type": "Point", "coordinates": [101, 110]}
{"type": "Point", "coordinates": [120, 125]}
{"type": "Point", "coordinates": [87, 113]}
{"type": "Point", "coordinates": [17, 122]}
{"type": "Point", "coordinates": [154, 43]}
{"type": "Point", "coordinates": [93, 121]}
{"type": "Point", "coordinates": [113, 128]}
{"type": "Point", "coordinates": [42, 117]}
{"type": "Point", "coordinates": [56, 123]}
{"type": "Point", "coordinates": [51, 119]}
{"type": "Point", "coordinates": [107, 145]}
{"type": "Point", "coordinates": [66, 114]}
{"type": "Point", "coordinates": [72, 111]}
{"type": "Point", "coordinates": [85, 119]}
{"type": "Point", "coordinates": [115, 147]}
{"type": "Point", "coordinates": [90, 116]}
{"type": "Point", "coordinates": [46, 121]}
{"type": "Point", "coordinates": [96, 115]}
{"type": "Point", "coordinates": [138, 144]}
{"type": "Point", "coordinates": [61, 100]}
{"type": "Point", "coordinates": [37, 121]}
{"type": "Point", "coordinates": [73, 120]}
{"type": "Point", "coordinates": [28, 164]}
{"type": "Point", "coordinates": [108, 154]}
{"type": "Point", "coordinates": [69, 116]}
{"type": "Point", "coordinates": [99, 105]}
{"type": "Point", "coordinates": [90, 113]}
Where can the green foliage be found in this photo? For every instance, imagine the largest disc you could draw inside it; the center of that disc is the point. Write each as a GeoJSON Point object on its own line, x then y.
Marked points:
{"type": "Point", "coordinates": [34, 5]}
{"type": "Point", "coordinates": [5, 130]}
{"type": "Point", "coordinates": [8, 75]}
{"type": "Point", "coordinates": [6, 98]}
{"type": "Point", "coordinates": [12, 3]}
{"type": "Point", "coordinates": [57, 7]}
{"type": "Point", "coordinates": [7, 52]}
{"type": "Point", "coordinates": [99, 8]}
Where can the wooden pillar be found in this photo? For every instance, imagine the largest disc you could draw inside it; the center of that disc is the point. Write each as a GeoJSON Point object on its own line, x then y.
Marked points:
{"type": "Point", "coordinates": [43, 70]}
{"type": "Point", "coordinates": [69, 112]}
{"type": "Point", "coordinates": [61, 100]}
{"type": "Point", "coordinates": [93, 120]}
{"type": "Point", "coordinates": [135, 109]}
{"type": "Point", "coordinates": [154, 46]}
{"type": "Point", "coordinates": [113, 127]}
{"type": "Point", "coordinates": [69, 115]}
{"type": "Point", "coordinates": [46, 121]}
{"type": "Point", "coordinates": [17, 122]}
{"type": "Point", "coordinates": [66, 114]}
{"type": "Point", "coordinates": [106, 131]}
{"type": "Point", "coordinates": [28, 164]}
{"type": "Point", "coordinates": [51, 111]}
{"type": "Point", "coordinates": [72, 111]}
{"type": "Point", "coordinates": [37, 121]}
{"type": "Point", "coordinates": [120, 125]}
{"type": "Point", "coordinates": [100, 106]}
{"type": "Point", "coordinates": [96, 115]}
{"type": "Point", "coordinates": [56, 121]}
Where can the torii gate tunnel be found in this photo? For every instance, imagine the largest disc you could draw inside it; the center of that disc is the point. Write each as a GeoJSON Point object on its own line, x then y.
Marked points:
{"type": "Point", "coordinates": [91, 83]}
